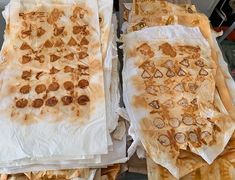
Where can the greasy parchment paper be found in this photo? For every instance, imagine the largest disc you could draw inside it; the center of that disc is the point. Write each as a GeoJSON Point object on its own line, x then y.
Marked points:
{"type": "Point", "coordinates": [158, 13]}
{"type": "Point", "coordinates": [149, 128]}
{"type": "Point", "coordinates": [221, 168]}
{"type": "Point", "coordinates": [147, 14]}
{"type": "Point", "coordinates": [46, 130]}
{"type": "Point", "coordinates": [78, 174]}
{"type": "Point", "coordinates": [117, 152]}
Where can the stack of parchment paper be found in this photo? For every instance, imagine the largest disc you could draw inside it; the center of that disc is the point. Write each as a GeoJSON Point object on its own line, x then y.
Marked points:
{"type": "Point", "coordinates": [59, 89]}
{"type": "Point", "coordinates": [177, 92]}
